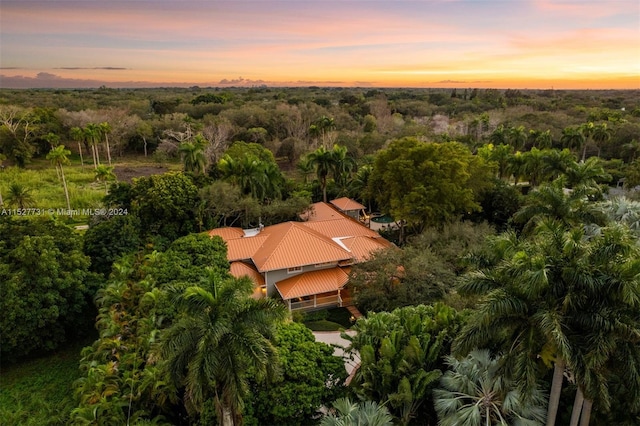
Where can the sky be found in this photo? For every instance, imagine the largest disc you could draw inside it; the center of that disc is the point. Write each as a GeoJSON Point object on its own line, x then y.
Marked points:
{"type": "Point", "coordinates": [526, 44]}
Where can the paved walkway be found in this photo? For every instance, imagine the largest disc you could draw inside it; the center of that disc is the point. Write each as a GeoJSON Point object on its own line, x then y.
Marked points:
{"type": "Point", "coordinates": [334, 339]}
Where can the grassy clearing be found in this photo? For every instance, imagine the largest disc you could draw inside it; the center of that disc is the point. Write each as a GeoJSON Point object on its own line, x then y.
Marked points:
{"type": "Point", "coordinates": [84, 191]}
{"type": "Point", "coordinates": [39, 391]}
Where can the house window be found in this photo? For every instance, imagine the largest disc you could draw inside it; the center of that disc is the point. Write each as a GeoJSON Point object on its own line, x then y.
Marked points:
{"type": "Point", "coordinates": [294, 269]}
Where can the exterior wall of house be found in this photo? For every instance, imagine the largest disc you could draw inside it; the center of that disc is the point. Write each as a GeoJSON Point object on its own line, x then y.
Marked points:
{"type": "Point", "coordinates": [272, 277]}
{"type": "Point", "coordinates": [353, 213]}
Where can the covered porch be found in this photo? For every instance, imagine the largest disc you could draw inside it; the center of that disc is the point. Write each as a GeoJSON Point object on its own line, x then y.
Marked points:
{"type": "Point", "coordinates": [314, 290]}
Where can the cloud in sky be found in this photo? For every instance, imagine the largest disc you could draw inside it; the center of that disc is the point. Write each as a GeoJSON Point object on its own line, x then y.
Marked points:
{"type": "Point", "coordinates": [394, 43]}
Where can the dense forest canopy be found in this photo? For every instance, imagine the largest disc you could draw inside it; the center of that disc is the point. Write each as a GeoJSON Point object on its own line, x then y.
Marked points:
{"type": "Point", "coordinates": [515, 215]}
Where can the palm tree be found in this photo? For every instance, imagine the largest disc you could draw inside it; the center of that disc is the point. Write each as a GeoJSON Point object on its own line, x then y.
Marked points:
{"type": "Point", "coordinates": [586, 173]}
{"type": "Point", "coordinates": [498, 154]}
{"type": "Point", "coordinates": [52, 138]}
{"type": "Point", "coordinates": [574, 138]}
{"type": "Point", "coordinates": [323, 161]}
{"type": "Point", "coordinates": [322, 126]}
{"type": "Point", "coordinates": [193, 155]}
{"type": "Point", "coordinates": [105, 129]}
{"type": "Point", "coordinates": [553, 298]}
{"type": "Point", "coordinates": [105, 174]}
{"type": "Point", "coordinates": [631, 149]}
{"type": "Point", "coordinates": [272, 182]}
{"type": "Point", "coordinates": [553, 201]}
{"type": "Point", "coordinates": [587, 130]}
{"type": "Point", "coordinates": [222, 334]}
{"type": "Point", "coordinates": [359, 187]}
{"type": "Point", "coordinates": [343, 165]}
{"type": "Point", "coordinates": [499, 136]}
{"type": "Point", "coordinates": [476, 392]}
{"type": "Point", "coordinates": [348, 413]}
{"type": "Point", "coordinates": [601, 135]}
{"type": "Point", "coordinates": [305, 168]}
{"type": "Point", "coordinates": [541, 140]}
{"type": "Point", "coordinates": [515, 166]}
{"type": "Point", "coordinates": [557, 162]}
{"type": "Point", "coordinates": [2, 158]}
{"type": "Point", "coordinates": [534, 166]}
{"type": "Point", "coordinates": [78, 135]}
{"type": "Point", "coordinates": [517, 137]}
{"type": "Point", "coordinates": [19, 196]}
{"type": "Point", "coordinates": [92, 134]}
{"type": "Point", "coordinates": [59, 157]}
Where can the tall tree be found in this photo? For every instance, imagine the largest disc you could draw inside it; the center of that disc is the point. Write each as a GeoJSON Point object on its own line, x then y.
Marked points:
{"type": "Point", "coordinates": [424, 184]}
{"type": "Point", "coordinates": [2, 158]}
{"type": "Point", "coordinates": [574, 138]}
{"type": "Point", "coordinates": [517, 137]}
{"type": "Point", "coordinates": [92, 134]}
{"type": "Point", "coordinates": [59, 157]}
{"type": "Point", "coordinates": [193, 155]}
{"type": "Point", "coordinates": [220, 336]}
{"type": "Point", "coordinates": [601, 134]}
{"type": "Point", "coordinates": [105, 129]}
{"type": "Point", "coordinates": [323, 161]}
{"type": "Point", "coordinates": [552, 298]}
{"type": "Point", "coordinates": [78, 135]}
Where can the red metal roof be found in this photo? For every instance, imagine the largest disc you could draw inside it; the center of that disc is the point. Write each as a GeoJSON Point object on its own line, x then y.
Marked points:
{"type": "Point", "coordinates": [347, 204]}
{"type": "Point", "coordinates": [241, 269]}
{"type": "Point", "coordinates": [328, 236]}
{"type": "Point", "coordinates": [362, 248]}
{"type": "Point", "coordinates": [321, 211]}
{"type": "Point", "coordinates": [314, 282]}
{"type": "Point", "coordinates": [292, 244]}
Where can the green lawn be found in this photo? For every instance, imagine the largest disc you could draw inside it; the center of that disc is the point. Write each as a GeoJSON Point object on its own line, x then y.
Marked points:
{"type": "Point", "coordinates": [332, 319]}
{"type": "Point", "coordinates": [39, 391]}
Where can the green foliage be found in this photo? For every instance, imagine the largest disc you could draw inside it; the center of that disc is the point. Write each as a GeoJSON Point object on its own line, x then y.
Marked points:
{"type": "Point", "coordinates": [427, 183]}
{"type": "Point", "coordinates": [122, 368]}
{"type": "Point", "coordinates": [221, 336]}
{"type": "Point", "coordinates": [422, 272]}
{"type": "Point", "coordinates": [165, 205]}
{"type": "Point", "coordinates": [188, 259]}
{"type": "Point", "coordinates": [45, 285]}
{"type": "Point", "coordinates": [392, 278]}
{"type": "Point", "coordinates": [476, 393]}
{"type": "Point", "coordinates": [310, 377]}
{"type": "Point", "coordinates": [564, 295]}
{"type": "Point", "coordinates": [109, 239]}
{"type": "Point", "coordinates": [36, 392]}
{"type": "Point", "coordinates": [401, 357]}
{"type": "Point", "coordinates": [19, 196]}
{"type": "Point", "coordinates": [367, 413]}
{"type": "Point", "coordinates": [193, 155]}
{"type": "Point", "coordinates": [499, 203]}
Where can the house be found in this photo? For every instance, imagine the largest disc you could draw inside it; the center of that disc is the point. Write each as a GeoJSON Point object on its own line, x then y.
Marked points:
{"type": "Point", "coordinates": [307, 263]}
{"type": "Point", "coordinates": [349, 207]}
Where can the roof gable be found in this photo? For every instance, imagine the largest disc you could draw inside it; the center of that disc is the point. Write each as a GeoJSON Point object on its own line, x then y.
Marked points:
{"type": "Point", "coordinates": [347, 204]}
{"type": "Point", "coordinates": [291, 244]}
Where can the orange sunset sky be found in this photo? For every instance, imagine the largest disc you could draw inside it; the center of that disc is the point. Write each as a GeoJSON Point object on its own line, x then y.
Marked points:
{"type": "Point", "coordinates": [571, 44]}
